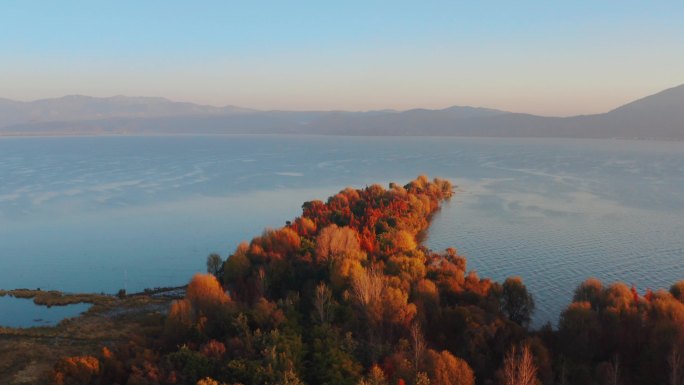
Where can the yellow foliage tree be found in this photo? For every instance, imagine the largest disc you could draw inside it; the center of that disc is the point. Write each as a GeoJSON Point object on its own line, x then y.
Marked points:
{"type": "Point", "coordinates": [334, 243]}
{"type": "Point", "coordinates": [446, 369]}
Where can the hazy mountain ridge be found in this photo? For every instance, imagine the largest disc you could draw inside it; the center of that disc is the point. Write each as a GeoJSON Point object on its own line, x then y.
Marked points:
{"type": "Point", "coordinates": [78, 108]}
{"type": "Point", "coordinates": [658, 116]}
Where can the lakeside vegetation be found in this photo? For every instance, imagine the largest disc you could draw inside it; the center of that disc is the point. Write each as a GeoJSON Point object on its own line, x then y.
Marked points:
{"type": "Point", "coordinates": [57, 298]}
{"type": "Point", "coordinates": [347, 294]}
{"type": "Point", "coordinates": [27, 355]}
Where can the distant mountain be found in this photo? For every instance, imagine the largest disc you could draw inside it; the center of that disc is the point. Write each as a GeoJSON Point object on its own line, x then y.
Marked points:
{"type": "Point", "coordinates": [77, 108]}
{"type": "Point", "coordinates": [659, 116]}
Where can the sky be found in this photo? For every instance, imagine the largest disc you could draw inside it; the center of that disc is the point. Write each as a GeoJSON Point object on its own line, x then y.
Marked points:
{"type": "Point", "coordinates": [544, 57]}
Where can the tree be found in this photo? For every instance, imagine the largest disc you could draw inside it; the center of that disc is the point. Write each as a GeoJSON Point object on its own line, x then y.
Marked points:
{"type": "Point", "coordinates": [517, 303]}
{"type": "Point", "coordinates": [589, 291]}
{"type": "Point", "coordinates": [213, 349]}
{"type": "Point", "coordinates": [422, 379]}
{"type": "Point", "coordinates": [76, 370]}
{"type": "Point", "coordinates": [335, 242]}
{"type": "Point", "coordinates": [209, 381]}
{"type": "Point", "coordinates": [236, 266]}
{"type": "Point", "coordinates": [323, 303]}
{"type": "Point", "coordinates": [375, 377]}
{"type": "Point", "coordinates": [214, 263]}
{"type": "Point", "coordinates": [180, 319]}
{"type": "Point", "coordinates": [445, 369]}
{"type": "Point", "coordinates": [397, 241]}
{"type": "Point", "coordinates": [418, 344]}
{"type": "Point", "coordinates": [332, 361]}
{"type": "Point", "coordinates": [367, 286]}
{"type": "Point", "coordinates": [204, 290]}
{"type": "Point", "coordinates": [675, 361]}
{"type": "Point", "coordinates": [519, 367]}
{"type": "Point", "coordinates": [614, 371]}
{"type": "Point", "coordinates": [677, 291]}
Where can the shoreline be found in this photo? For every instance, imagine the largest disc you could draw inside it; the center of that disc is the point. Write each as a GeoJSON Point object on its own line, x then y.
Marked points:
{"type": "Point", "coordinates": [20, 135]}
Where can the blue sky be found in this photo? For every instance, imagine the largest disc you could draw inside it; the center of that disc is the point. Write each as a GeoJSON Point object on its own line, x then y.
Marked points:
{"type": "Point", "coordinates": [547, 57]}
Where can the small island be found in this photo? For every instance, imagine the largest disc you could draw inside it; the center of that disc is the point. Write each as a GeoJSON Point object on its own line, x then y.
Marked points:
{"type": "Point", "coordinates": [348, 294]}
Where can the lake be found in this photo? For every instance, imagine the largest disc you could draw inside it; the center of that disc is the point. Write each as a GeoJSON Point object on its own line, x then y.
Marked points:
{"type": "Point", "coordinates": [21, 312]}
{"type": "Point", "coordinates": [98, 214]}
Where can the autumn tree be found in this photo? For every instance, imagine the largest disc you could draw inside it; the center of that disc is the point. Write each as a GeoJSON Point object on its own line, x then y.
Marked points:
{"type": "Point", "coordinates": [677, 291]}
{"type": "Point", "coordinates": [180, 320]}
{"type": "Point", "coordinates": [375, 377]}
{"type": "Point", "coordinates": [519, 368]}
{"type": "Point", "coordinates": [77, 370]}
{"type": "Point", "coordinates": [422, 378]}
{"type": "Point", "coordinates": [304, 227]}
{"type": "Point", "coordinates": [335, 242]}
{"type": "Point", "coordinates": [339, 249]}
{"type": "Point", "coordinates": [446, 369]}
{"type": "Point", "coordinates": [213, 349]}
{"type": "Point", "coordinates": [397, 241]}
{"type": "Point", "coordinates": [206, 307]}
{"type": "Point", "coordinates": [367, 286]}
{"type": "Point", "coordinates": [589, 291]}
{"type": "Point", "coordinates": [204, 292]}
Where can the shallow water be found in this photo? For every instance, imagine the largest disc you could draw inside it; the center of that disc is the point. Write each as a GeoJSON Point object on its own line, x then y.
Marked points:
{"type": "Point", "coordinates": [103, 213]}
{"type": "Point", "coordinates": [20, 312]}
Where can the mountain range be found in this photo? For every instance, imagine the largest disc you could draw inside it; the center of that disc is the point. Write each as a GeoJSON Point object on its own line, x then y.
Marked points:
{"type": "Point", "coordinates": [659, 116]}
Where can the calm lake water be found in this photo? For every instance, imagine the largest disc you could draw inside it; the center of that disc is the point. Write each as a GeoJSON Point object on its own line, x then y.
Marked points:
{"type": "Point", "coordinates": [20, 312]}
{"type": "Point", "coordinates": [98, 214]}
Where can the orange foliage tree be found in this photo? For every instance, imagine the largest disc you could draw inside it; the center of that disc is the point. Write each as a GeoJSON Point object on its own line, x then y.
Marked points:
{"type": "Point", "coordinates": [77, 370]}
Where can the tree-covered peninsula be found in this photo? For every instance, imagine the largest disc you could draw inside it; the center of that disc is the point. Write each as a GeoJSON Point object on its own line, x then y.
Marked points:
{"type": "Point", "coordinates": [348, 294]}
